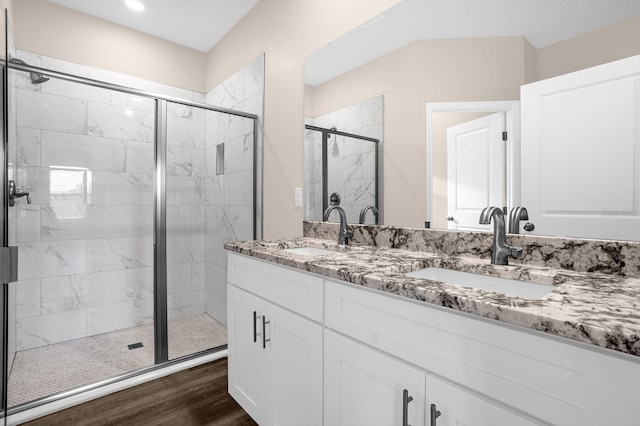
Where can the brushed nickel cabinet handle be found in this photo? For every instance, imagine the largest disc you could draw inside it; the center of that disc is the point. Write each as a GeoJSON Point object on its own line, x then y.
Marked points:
{"type": "Point", "coordinates": [434, 414]}
{"type": "Point", "coordinates": [264, 332]}
{"type": "Point", "coordinates": [255, 326]}
{"type": "Point", "coordinates": [406, 399]}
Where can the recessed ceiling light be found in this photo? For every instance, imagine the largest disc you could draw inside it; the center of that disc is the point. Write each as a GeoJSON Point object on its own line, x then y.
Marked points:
{"type": "Point", "coordinates": [136, 5]}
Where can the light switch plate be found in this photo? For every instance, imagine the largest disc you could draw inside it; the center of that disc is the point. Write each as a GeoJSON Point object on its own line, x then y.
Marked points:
{"type": "Point", "coordinates": [298, 197]}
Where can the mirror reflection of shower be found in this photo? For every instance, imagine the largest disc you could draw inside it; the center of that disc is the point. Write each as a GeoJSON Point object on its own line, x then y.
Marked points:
{"type": "Point", "coordinates": [36, 78]}
{"type": "Point", "coordinates": [341, 168]}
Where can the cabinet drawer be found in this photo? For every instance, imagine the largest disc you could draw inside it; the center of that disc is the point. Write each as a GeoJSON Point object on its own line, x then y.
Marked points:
{"type": "Point", "coordinates": [540, 376]}
{"type": "Point", "coordinates": [297, 291]}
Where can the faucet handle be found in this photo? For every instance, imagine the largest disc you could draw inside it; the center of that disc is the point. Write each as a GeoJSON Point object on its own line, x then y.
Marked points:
{"type": "Point", "coordinates": [516, 251]}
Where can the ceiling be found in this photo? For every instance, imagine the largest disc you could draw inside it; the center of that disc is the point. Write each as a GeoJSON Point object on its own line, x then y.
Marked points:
{"type": "Point", "coordinates": [198, 24]}
{"type": "Point", "coordinates": [542, 22]}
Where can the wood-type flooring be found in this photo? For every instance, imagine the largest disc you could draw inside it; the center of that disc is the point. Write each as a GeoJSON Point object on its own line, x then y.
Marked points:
{"type": "Point", "coordinates": [197, 396]}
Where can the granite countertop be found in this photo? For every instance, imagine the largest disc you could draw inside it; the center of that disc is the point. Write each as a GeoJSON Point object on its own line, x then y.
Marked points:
{"type": "Point", "coordinates": [595, 308]}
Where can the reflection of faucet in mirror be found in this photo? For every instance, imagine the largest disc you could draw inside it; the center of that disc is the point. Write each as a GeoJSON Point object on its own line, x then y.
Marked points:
{"type": "Point", "coordinates": [345, 234]}
{"type": "Point", "coordinates": [501, 251]}
{"type": "Point", "coordinates": [364, 211]}
{"type": "Point", "coordinates": [515, 216]}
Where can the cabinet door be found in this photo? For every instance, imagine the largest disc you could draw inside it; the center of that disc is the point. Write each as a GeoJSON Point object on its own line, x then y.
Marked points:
{"type": "Point", "coordinates": [458, 406]}
{"type": "Point", "coordinates": [246, 358]}
{"type": "Point", "coordinates": [294, 369]}
{"type": "Point", "coordinates": [365, 387]}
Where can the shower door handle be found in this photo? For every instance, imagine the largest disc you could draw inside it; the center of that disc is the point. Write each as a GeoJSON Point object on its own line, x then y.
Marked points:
{"type": "Point", "coordinates": [9, 264]}
{"type": "Point", "coordinates": [17, 193]}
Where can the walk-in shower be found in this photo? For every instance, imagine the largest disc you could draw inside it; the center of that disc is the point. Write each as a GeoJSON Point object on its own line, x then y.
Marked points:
{"type": "Point", "coordinates": [124, 212]}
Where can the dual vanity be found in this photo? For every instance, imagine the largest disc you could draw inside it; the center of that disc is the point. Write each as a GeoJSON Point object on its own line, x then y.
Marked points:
{"type": "Point", "coordinates": [416, 327]}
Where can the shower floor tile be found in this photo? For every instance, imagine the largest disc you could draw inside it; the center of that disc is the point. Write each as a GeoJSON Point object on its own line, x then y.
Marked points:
{"type": "Point", "coordinates": [48, 370]}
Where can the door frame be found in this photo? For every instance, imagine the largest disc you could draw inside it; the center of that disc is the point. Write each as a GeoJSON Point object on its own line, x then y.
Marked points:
{"type": "Point", "coordinates": [512, 122]}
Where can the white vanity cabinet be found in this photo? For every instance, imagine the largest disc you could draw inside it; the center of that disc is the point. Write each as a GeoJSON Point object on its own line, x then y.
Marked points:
{"type": "Point", "coordinates": [275, 355]}
{"type": "Point", "coordinates": [481, 372]}
{"type": "Point", "coordinates": [333, 354]}
{"type": "Point", "coordinates": [365, 387]}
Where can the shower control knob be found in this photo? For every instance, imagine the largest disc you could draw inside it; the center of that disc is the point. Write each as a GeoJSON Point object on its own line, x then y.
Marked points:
{"type": "Point", "coordinates": [450, 218]}
{"type": "Point", "coordinates": [529, 227]}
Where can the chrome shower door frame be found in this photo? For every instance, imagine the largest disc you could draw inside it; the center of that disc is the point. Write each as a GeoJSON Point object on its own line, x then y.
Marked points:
{"type": "Point", "coordinates": [159, 219]}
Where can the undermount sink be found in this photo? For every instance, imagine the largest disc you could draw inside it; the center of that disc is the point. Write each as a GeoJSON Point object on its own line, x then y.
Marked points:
{"type": "Point", "coordinates": [310, 251]}
{"type": "Point", "coordinates": [524, 289]}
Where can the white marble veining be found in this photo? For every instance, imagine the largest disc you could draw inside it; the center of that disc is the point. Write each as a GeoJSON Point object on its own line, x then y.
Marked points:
{"type": "Point", "coordinates": [49, 112]}
{"type": "Point", "coordinates": [28, 146]}
{"type": "Point", "coordinates": [27, 302]}
{"type": "Point", "coordinates": [86, 152]}
{"type": "Point", "coordinates": [121, 188]}
{"type": "Point", "coordinates": [27, 220]}
{"type": "Point", "coordinates": [52, 328]}
{"type": "Point", "coordinates": [119, 122]}
{"type": "Point", "coordinates": [186, 304]}
{"type": "Point", "coordinates": [140, 157]}
{"type": "Point", "coordinates": [102, 319]}
{"type": "Point", "coordinates": [73, 221]}
{"type": "Point", "coordinates": [178, 278]}
{"type": "Point", "coordinates": [185, 248]}
{"type": "Point", "coordinates": [138, 222]}
{"type": "Point", "coordinates": [51, 258]}
{"type": "Point", "coordinates": [112, 254]}
{"type": "Point", "coordinates": [185, 190]}
{"type": "Point", "coordinates": [139, 283]}
{"type": "Point", "coordinates": [198, 276]}
{"type": "Point", "coordinates": [71, 292]}
{"type": "Point", "coordinates": [186, 132]}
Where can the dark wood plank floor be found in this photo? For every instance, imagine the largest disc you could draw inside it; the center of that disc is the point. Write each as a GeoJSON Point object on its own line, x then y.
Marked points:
{"type": "Point", "coordinates": [197, 396]}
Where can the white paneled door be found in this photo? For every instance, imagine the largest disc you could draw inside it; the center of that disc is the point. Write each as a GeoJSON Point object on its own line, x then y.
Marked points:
{"type": "Point", "coordinates": [581, 152]}
{"type": "Point", "coordinates": [476, 170]}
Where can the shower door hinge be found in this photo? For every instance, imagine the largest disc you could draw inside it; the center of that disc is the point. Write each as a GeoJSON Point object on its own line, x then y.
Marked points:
{"type": "Point", "coordinates": [9, 264]}
{"type": "Point", "coordinates": [504, 136]}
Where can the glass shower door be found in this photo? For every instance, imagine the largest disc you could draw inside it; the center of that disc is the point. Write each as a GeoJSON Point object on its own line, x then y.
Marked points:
{"type": "Point", "coordinates": [82, 310]}
{"type": "Point", "coordinates": [210, 200]}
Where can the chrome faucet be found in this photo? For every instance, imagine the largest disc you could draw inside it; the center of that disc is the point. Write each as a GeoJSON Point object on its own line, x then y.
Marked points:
{"type": "Point", "coordinates": [345, 234]}
{"type": "Point", "coordinates": [364, 211]}
{"type": "Point", "coordinates": [501, 251]}
{"type": "Point", "coordinates": [515, 216]}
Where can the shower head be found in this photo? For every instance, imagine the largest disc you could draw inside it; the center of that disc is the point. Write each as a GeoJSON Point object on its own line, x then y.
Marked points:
{"type": "Point", "coordinates": [335, 151]}
{"type": "Point", "coordinates": [36, 78]}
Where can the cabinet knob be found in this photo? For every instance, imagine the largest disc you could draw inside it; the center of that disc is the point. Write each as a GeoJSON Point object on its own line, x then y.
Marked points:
{"type": "Point", "coordinates": [406, 399]}
{"type": "Point", "coordinates": [434, 414]}
{"type": "Point", "coordinates": [450, 218]}
{"type": "Point", "coordinates": [529, 226]}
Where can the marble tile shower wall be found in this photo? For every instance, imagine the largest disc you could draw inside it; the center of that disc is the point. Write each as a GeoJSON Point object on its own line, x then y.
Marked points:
{"type": "Point", "coordinates": [229, 190]}
{"type": "Point", "coordinates": [351, 162]}
{"type": "Point", "coordinates": [86, 248]}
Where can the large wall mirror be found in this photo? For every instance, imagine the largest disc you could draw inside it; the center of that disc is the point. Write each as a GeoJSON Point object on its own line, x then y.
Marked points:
{"type": "Point", "coordinates": [468, 61]}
